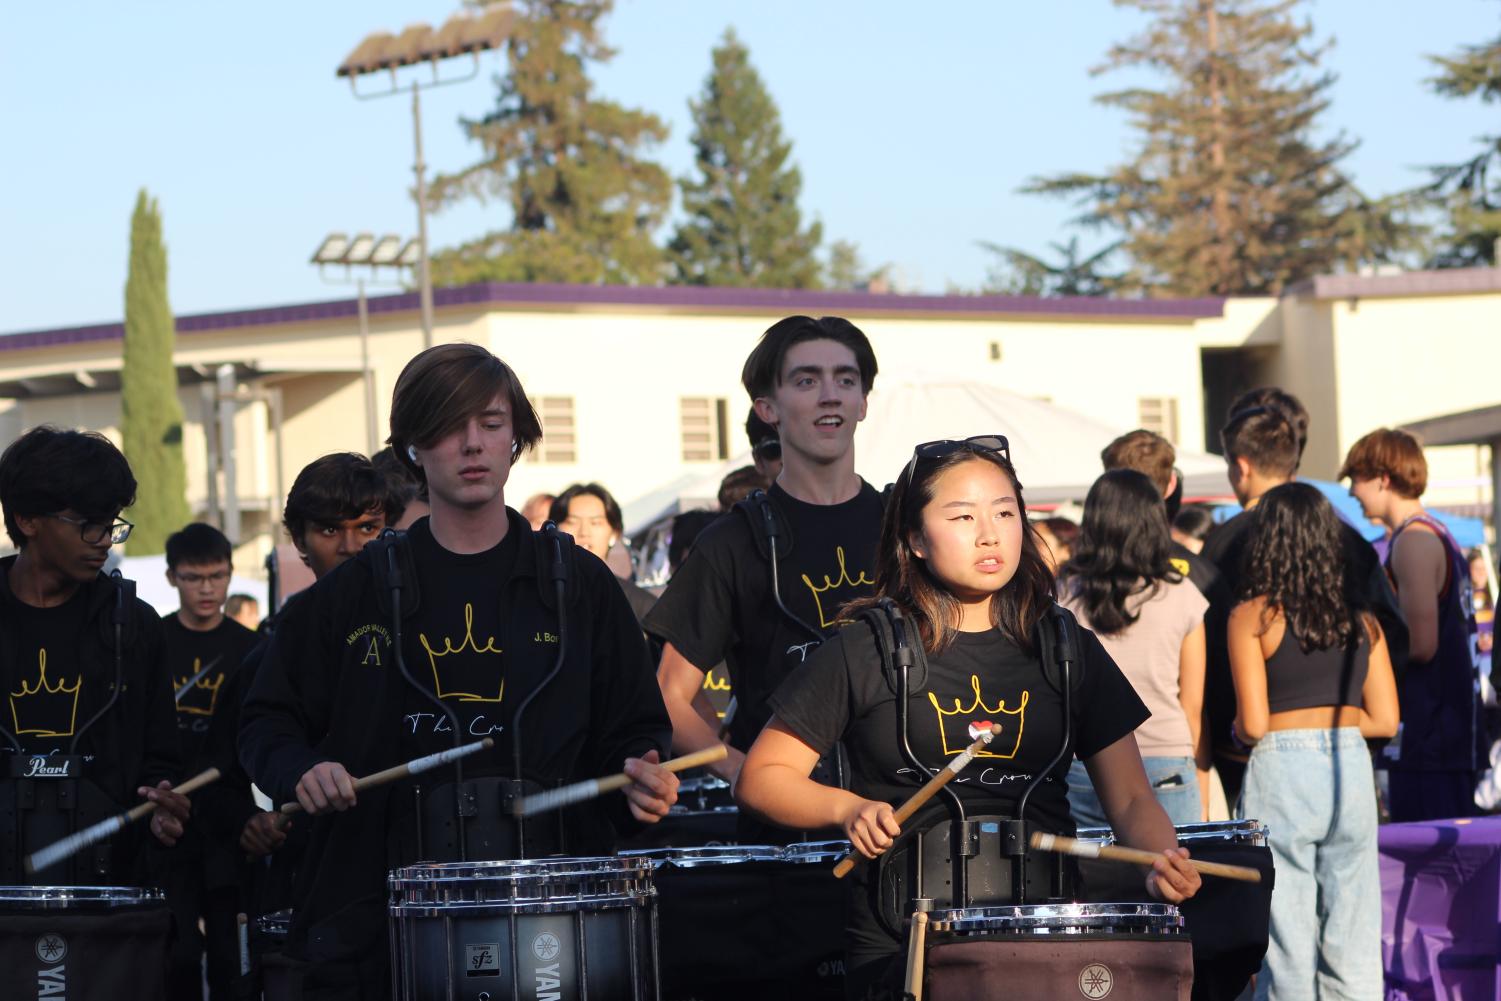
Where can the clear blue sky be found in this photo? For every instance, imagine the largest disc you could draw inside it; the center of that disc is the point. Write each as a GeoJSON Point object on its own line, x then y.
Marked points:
{"type": "Point", "coordinates": [913, 124]}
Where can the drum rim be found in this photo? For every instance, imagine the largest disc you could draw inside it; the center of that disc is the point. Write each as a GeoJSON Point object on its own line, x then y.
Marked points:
{"type": "Point", "coordinates": [1077, 918]}
{"type": "Point", "coordinates": [1245, 831]}
{"type": "Point", "coordinates": [509, 869]}
{"type": "Point", "coordinates": [62, 897]}
{"type": "Point", "coordinates": [704, 856]}
{"type": "Point", "coordinates": [579, 904]}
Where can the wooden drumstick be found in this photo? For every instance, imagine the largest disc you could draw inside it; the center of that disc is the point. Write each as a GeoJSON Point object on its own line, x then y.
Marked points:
{"type": "Point", "coordinates": [946, 774]}
{"type": "Point", "coordinates": [556, 799]}
{"type": "Point", "coordinates": [74, 843]}
{"type": "Point", "coordinates": [915, 948]}
{"type": "Point", "coordinates": [1117, 853]}
{"type": "Point", "coordinates": [414, 767]}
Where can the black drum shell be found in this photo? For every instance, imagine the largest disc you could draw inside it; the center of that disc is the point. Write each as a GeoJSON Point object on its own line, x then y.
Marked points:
{"type": "Point", "coordinates": [83, 942]}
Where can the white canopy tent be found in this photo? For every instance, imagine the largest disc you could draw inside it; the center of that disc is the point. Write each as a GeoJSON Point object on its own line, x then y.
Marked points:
{"type": "Point", "coordinates": [1056, 450]}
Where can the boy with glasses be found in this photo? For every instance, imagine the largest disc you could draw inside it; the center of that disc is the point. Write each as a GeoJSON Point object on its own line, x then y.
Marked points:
{"type": "Point", "coordinates": [204, 650]}
{"type": "Point", "coordinates": [83, 668]}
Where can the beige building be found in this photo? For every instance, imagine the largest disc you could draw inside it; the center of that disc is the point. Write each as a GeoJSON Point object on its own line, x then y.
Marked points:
{"type": "Point", "coordinates": [638, 387]}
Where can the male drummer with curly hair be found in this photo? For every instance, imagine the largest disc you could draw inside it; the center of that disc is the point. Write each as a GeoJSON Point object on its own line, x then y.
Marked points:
{"type": "Point", "coordinates": [89, 725]}
{"type": "Point", "coordinates": [471, 592]}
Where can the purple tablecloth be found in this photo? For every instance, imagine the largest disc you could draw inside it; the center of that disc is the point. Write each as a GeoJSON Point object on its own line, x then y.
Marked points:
{"type": "Point", "coordinates": [1441, 910]}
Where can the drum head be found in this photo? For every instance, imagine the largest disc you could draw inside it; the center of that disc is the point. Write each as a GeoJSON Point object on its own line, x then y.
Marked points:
{"type": "Point", "coordinates": [78, 898]}
{"type": "Point", "coordinates": [1060, 919]}
{"type": "Point", "coordinates": [525, 886]}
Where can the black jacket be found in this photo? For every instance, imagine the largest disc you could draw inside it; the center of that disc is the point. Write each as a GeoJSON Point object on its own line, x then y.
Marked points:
{"type": "Point", "coordinates": [133, 744]}
{"type": "Point", "coordinates": [316, 697]}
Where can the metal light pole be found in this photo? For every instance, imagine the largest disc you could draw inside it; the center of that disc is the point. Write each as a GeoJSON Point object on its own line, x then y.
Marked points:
{"type": "Point", "coordinates": [465, 33]}
{"type": "Point", "coordinates": [366, 251]}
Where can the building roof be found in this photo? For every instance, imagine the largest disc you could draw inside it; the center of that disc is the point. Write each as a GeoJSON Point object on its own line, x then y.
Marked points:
{"type": "Point", "coordinates": [1467, 427]}
{"type": "Point", "coordinates": [679, 298]}
{"type": "Point", "coordinates": [1455, 281]}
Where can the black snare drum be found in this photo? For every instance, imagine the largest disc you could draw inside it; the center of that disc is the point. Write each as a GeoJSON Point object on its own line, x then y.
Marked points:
{"type": "Point", "coordinates": [83, 943]}
{"type": "Point", "coordinates": [1127, 952]}
{"type": "Point", "coordinates": [750, 921]}
{"type": "Point", "coordinates": [482, 931]}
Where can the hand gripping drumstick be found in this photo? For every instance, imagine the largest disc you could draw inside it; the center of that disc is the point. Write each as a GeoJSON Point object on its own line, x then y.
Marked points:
{"type": "Point", "coordinates": [1116, 853]}
{"type": "Point", "coordinates": [74, 843]}
{"type": "Point", "coordinates": [414, 767]}
{"type": "Point", "coordinates": [847, 864]}
{"type": "Point", "coordinates": [556, 799]}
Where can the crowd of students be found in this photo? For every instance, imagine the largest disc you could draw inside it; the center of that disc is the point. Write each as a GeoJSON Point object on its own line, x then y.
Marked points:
{"type": "Point", "coordinates": [1267, 656]}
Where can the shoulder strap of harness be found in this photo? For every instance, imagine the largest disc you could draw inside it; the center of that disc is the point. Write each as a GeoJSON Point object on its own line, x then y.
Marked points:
{"type": "Point", "coordinates": [1057, 635]}
{"type": "Point", "coordinates": [387, 570]}
{"type": "Point", "coordinates": [767, 527]}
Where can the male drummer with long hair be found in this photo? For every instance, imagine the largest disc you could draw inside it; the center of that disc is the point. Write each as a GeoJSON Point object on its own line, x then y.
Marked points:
{"type": "Point", "coordinates": [472, 590]}
{"type": "Point", "coordinates": [83, 667]}
{"type": "Point", "coordinates": [959, 562]}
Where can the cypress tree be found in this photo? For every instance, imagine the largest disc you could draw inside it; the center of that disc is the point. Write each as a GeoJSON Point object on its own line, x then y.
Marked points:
{"type": "Point", "coordinates": [584, 202]}
{"type": "Point", "coordinates": [1229, 192]}
{"type": "Point", "coordinates": [151, 414]}
{"type": "Point", "coordinates": [743, 227]}
{"type": "Point", "coordinates": [1469, 193]}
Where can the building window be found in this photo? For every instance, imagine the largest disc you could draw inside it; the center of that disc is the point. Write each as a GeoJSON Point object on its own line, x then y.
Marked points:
{"type": "Point", "coordinates": [559, 445]}
{"type": "Point", "coordinates": [704, 420]}
{"type": "Point", "coordinates": [1159, 414]}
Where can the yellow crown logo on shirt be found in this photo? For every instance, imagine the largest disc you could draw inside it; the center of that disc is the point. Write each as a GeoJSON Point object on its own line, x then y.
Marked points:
{"type": "Point", "coordinates": [960, 726]}
{"type": "Point", "coordinates": [828, 607]}
{"type": "Point", "coordinates": [468, 679]}
{"type": "Point", "coordinates": [46, 709]}
{"type": "Point", "coordinates": [201, 698]}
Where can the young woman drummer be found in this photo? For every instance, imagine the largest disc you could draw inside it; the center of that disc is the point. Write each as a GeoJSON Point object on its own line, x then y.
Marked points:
{"type": "Point", "coordinates": [958, 560]}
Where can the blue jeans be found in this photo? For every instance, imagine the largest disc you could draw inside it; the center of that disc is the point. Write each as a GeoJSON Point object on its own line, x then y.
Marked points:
{"type": "Point", "coordinates": [1313, 791]}
{"type": "Point", "coordinates": [1175, 783]}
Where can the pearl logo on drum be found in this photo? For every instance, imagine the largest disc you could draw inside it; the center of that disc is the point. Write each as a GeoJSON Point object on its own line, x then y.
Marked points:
{"type": "Point", "coordinates": [1096, 981]}
{"type": "Point", "coordinates": [51, 948]}
{"type": "Point", "coordinates": [546, 946]}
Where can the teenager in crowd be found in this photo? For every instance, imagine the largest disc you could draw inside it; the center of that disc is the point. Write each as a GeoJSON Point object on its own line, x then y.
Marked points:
{"type": "Point", "coordinates": [406, 501]}
{"type": "Point", "coordinates": [1153, 455]}
{"type": "Point", "coordinates": [1122, 583]}
{"type": "Point", "coordinates": [204, 650]}
{"type": "Point", "coordinates": [1192, 526]}
{"type": "Point", "coordinates": [1434, 764]}
{"type": "Point", "coordinates": [1312, 681]}
{"type": "Point", "coordinates": [809, 379]}
{"type": "Point", "coordinates": [1057, 535]}
{"type": "Point", "coordinates": [244, 609]}
{"type": "Point", "coordinates": [1263, 443]}
{"type": "Point", "coordinates": [958, 560]}
{"type": "Point", "coordinates": [589, 513]}
{"type": "Point", "coordinates": [82, 667]}
{"type": "Point", "coordinates": [480, 634]}
{"type": "Point", "coordinates": [338, 503]}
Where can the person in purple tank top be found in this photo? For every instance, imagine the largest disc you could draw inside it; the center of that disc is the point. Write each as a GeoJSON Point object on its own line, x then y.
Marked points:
{"type": "Point", "coordinates": [1435, 757]}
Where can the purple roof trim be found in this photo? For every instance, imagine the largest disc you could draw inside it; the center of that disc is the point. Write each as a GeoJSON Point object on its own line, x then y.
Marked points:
{"type": "Point", "coordinates": [673, 296]}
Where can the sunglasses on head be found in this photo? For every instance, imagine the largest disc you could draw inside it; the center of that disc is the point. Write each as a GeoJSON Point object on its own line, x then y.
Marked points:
{"type": "Point", "coordinates": [942, 448]}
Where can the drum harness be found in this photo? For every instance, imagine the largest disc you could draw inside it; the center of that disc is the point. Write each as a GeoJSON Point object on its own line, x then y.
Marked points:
{"type": "Point", "coordinates": [767, 530]}
{"type": "Point", "coordinates": [396, 560]}
{"type": "Point", "coordinates": [65, 785]}
{"type": "Point", "coordinates": [1057, 636]}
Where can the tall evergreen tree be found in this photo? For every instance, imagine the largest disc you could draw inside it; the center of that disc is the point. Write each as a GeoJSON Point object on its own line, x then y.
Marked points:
{"type": "Point", "coordinates": [584, 201]}
{"type": "Point", "coordinates": [743, 227]}
{"type": "Point", "coordinates": [1229, 191]}
{"type": "Point", "coordinates": [1470, 192]}
{"type": "Point", "coordinates": [1020, 273]}
{"type": "Point", "coordinates": [845, 268]}
{"type": "Point", "coordinates": [151, 414]}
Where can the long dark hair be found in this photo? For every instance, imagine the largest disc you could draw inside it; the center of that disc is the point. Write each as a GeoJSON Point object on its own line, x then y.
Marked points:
{"type": "Point", "coordinates": [1296, 562]}
{"type": "Point", "coordinates": [904, 577]}
{"type": "Point", "coordinates": [1123, 550]}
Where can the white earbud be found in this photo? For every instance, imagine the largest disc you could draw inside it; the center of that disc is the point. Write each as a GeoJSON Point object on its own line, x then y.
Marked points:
{"type": "Point", "coordinates": [412, 452]}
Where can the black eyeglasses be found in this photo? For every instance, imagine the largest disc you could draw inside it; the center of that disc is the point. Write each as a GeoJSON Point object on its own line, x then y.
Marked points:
{"type": "Point", "coordinates": [767, 448]}
{"type": "Point", "coordinates": [996, 443]}
{"type": "Point", "coordinates": [94, 532]}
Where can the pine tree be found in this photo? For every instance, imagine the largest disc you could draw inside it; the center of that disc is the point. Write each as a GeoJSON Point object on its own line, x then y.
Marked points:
{"type": "Point", "coordinates": [1020, 273]}
{"type": "Point", "coordinates": [1470, 192]}
{"type": "Point", "coordinates": [1229, 191]}
{"type": "Point", "coordinates": [743, 227]}
{"type": "Point", "coordinates": [845, 268]}
{"type": "Point", "coordinates": [151, 414]}
{"type": "Point", "coordinates": [583, 201]}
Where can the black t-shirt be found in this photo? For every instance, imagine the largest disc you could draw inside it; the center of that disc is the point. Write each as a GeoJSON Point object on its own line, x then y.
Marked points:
{"type": "Point", "coordinates": [1201, 573]}
{"type": "Point", "coordinates": [452, 646]}
{"type": "Point", "coordinates": [49, 691]}
{"type": "Point", "coordinates": [211, 657]}
{"type": "Point", "coordinates": [719, 606]}
{"type": "Point", "coordinates": [843, 694]}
